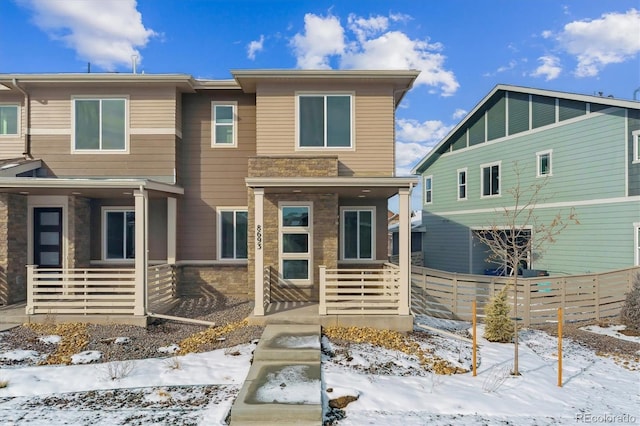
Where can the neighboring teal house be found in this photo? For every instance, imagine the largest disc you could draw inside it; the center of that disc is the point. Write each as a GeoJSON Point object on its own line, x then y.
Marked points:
{"type": "Point", "coordinates": [585, 148]}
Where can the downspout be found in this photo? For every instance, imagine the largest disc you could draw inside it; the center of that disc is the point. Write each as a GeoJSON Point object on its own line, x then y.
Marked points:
{"type": "Point", "coordinates": [27, 112]}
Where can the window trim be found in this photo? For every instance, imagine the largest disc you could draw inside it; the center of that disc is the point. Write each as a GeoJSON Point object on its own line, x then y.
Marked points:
{"type": "Point", "coordinates": [636, 242]}
{"type": "Point", "coordinates": [466, 183]}
{"type": "Point", "coordinates": [219, 211]}
{"type": "Point", "coordinates": [103, 225]}
{"type": "Point", "coordinates": [430, 190]}
{"type": "Point", "coordinates": [343, 210]}
{"type": "Point", "coordinates": [18, 120]}
{"type": "Point", "coordinates": [352, 144]}
{"type": "Point", "coordinates": [484, 166]}
{"type": "Point", "coordinates": [296, 256]}
{"type": "Point", "coordinates": [124, 150]}
{"type": "Point", "coordinates": [539, 155]}
{"type": "Point", "coordinates": [234, 106]}
{"type": "Point", "coordinates": [635, 135]}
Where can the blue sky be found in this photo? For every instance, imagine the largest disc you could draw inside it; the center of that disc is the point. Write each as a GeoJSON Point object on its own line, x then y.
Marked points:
{"type": "Point", "coordinates": [463, 47]}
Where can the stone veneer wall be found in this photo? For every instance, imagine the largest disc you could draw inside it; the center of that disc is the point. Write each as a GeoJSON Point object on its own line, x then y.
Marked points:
{"type": "Point", "coordinates": [230, 280]}
{"type": "Point", "coordinates": [79, 232]}
{"type": "Point", "coordinates": [293, 166]}
{"type": "Point", "coordinates": [13, 248]}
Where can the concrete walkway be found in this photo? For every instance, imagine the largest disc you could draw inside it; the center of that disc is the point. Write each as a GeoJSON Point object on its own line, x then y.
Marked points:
{"type": "Point", "coordinates": [284, 385]}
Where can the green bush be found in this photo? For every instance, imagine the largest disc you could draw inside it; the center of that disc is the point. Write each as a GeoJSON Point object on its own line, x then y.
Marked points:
{"type": "Point", "coordinates": [630, 313]}
{"type": "Point", "coordinates": [498, 325]}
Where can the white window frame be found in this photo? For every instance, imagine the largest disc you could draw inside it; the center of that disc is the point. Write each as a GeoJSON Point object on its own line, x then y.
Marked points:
{"type": "Point", "coordinates": [636, 146]}
{"type": "Point", "coordinates": [75, 98]}
{"type": "Point", "coordinates": [234, 209]}
{"type": "Point", "coordinates": [234, 106]}
{"type": "Point", "coordinates": [105, 211]}
{"type": "Point", "coordinates": [308, 230]}
{"type": "Point", "coordinates": [429, 190]}
{"type": "Point", "coordinates": [465, 184]}
{"type": "Point", "coordinates": [18, 120]}
{"type": "Point", "coordinates": [370, 209]}
{"type": "Point", "coordinates": [489, 165]}
{"type": "Point", "coordinates": [352, 144]}
{"type": "Point", "coordinates": [636, 242]}
{"type": "Point", "coordinates": [539, 156]}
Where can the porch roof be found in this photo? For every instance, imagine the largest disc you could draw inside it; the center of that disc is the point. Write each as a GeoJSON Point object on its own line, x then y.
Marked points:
{"type": "Point", "coordinates": [343, 185]}
{"type": "Point", "coordinates": [93, 188]}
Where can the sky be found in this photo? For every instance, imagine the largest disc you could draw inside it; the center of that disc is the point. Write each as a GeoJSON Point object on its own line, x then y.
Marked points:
{"type": "Point", "coordinates": [463, 48]}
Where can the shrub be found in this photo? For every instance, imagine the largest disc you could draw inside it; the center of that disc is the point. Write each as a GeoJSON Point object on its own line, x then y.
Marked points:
{"type": "Point", "coordinates": [630, 313]}
{"type": "Point", "coordinates": [498, 326]}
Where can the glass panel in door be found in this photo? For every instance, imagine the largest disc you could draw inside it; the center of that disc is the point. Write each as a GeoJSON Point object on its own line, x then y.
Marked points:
{"type": "Point", "coordinates": [47, 237]}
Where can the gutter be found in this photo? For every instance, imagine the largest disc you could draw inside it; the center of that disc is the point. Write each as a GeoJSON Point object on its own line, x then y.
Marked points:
{"type": "Point", "coordinates": [27, 112]}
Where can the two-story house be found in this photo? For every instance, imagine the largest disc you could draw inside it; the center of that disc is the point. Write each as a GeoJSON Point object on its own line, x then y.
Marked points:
{"type": "Point", "coordinates": [583, 151]}
{"type": "Point", "coordinates": [262, 185]}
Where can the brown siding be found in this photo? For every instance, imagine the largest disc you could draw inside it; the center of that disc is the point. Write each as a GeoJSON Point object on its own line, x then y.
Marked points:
{"type": "Point", "coordinates": [211, 176]}
{"type": "Point", "coordinates": [374, 126]}
{"type": "Point", "coordinates": [13, 146]}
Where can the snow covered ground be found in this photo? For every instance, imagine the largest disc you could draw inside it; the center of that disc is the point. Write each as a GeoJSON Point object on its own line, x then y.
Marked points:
{"type": "Point", "coordinates": [200, 388]}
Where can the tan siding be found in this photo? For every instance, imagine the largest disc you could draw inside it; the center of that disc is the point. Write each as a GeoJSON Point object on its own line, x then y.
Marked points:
{"type": "Point", "coordinates": [13, 146]}
{"type": "Point", "coordinates": [211, 176]}
{"type": "Point", "coordinates": [178, 112]}
{"type": "Point", "coordinates": [374, 126]}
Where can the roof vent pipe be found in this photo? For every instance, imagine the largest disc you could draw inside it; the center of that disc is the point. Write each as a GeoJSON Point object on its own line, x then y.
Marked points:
{"type": "Point", "coordinates": [134, 60]}
{"type": "Point", "coordinates": [635, 92]}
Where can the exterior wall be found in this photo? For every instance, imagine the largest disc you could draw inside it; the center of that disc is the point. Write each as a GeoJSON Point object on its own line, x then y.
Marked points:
{"type": "Point", "coordinates": [211, 177]}
{"type": "Point", "coordinates": [151, 133]}
{"type": "Point", "coordinates": [13, 146]}
{"type": "Point", "coordinates": [79, 232]}
{"type": "Point", "coordinates": [373, 129]}
{"type": "Point", "coordinates": [230, 280]}
{"type": "Point", "coordinates": [13, 248]}
{"type": "Point", "coordinates": [634, 166]}
{"type": "Point", "coordinates": [293, 166]}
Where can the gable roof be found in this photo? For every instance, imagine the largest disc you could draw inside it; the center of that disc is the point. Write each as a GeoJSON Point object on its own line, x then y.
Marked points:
{"type": "Point", "coordinates": [608, 101]}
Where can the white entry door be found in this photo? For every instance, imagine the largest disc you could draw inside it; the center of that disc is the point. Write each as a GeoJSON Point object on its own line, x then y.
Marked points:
{"type": "Point", "coordinates": [296, 242]}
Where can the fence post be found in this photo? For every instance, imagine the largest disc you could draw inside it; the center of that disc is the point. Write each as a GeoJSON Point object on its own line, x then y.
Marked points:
{"type": "Point", "coordinates": [322, 306]}
{"type": "Point", "coordinates": [454, 305]}
{"type": "Point", "coordinates": [597, 285]}
{"type": "Point", "coordinates": [526, 309]}
{"type": "Point", "coordinates": [30, 309]}
{"type": "Point", "coordinates": [563, 294]}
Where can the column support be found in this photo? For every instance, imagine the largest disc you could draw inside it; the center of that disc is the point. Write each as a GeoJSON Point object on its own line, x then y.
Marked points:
{"type": "Point", "coordinates": [141, 262]}
{"type": "Point", "coordinates": [404, 248]}
{"type": "Point", "coordinates": [258, 194]}
{"type": "Point", "coordinates": [172, 220]}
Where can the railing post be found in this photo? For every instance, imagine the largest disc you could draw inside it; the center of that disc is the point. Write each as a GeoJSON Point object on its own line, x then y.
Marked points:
{"type": "Point", "coordinates": [322, 306]}
{"type": "Point", "coordinates": [30, 308]}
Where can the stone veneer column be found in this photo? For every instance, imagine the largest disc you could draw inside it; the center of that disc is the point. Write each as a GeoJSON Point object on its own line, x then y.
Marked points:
{"type": "Point", "coordinates": [13, 248]}
{"type": "Point", "coordinates": [79, 232]}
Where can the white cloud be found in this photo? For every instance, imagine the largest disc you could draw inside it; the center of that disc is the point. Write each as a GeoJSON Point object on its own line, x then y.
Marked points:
{"type": "Point", "coordinates": [459, 113]}
{"type": "Point", "coordinates": [549, 68]}
{"type": "Point", "coordinates": [254, 47]}
{"type": "Point", "coordinates": [415, 140]}
{"type": "Point", "coordinates": [613, 38]}
{"type": "Point", "coordinates": [372, 45]}
{"type": "Point", "coordinates": [323, 37]}
{"type": "Point", "coordinates": [106, 33]}
{"type": "Point", "coordinates": [408, 154]}
{"type": "Point", "coordinates": [547, 34]}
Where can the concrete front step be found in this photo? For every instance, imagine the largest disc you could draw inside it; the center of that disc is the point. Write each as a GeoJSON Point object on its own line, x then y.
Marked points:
{"type": "Point", "coordinates": [284, 385]}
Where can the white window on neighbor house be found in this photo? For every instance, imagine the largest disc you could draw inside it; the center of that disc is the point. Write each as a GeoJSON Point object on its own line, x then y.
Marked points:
{"type": "Point", "coordinates": [325, 121]}
{"type": "Point", "coordinates": [232, 233]}
{"type": "Point", "coordinates": [543, 161]}
{"type": "Point", "coordinates": [224, 124]}
{"type": "Point", "coordinates": [9, 118]}
{"type": "Point", "coordinates": [636, 145]}
{"type": "Point", "coordinates": [462, 184]}
{"type": "Point", "coordinates": [118, 230]}
{"type": "Point", "coordinates": [490, 179]}
{"type": "Point", "coordinates": [296, 237]}
{"type": "Point", "coordinates": [99, 124]}
{"type": "Point", "coordinates": [428, 189]}
{"type": "Point", "coordinates": [357, 232]}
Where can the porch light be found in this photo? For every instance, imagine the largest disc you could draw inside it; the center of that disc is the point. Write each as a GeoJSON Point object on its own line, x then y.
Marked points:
{"type": "Point", "coordinates": [362, 196]}
{"type": "Point", "coordinates": [76, 193]}
{"type": "Point", "coordinates": [366, 191]}
{"type": "Point", "coordinates": [296, 191]}
{"type": "Point", "coordinates": [23, 193]}
{"type": "Point", "coordinates": [127, 193]}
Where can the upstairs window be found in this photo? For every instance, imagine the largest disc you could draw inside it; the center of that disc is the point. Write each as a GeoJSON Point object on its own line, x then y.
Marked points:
{"type": "Point", "coordinates": [636, 145]}
{"type": "Point", "coordinates": [543, 163]}
{"type": "Point", "coordinates": [490, 179]}
{"type": "Point", "coordinates": [324, 121]}
{"type": "Point", "coordinates": [8, 120]}
{"type": "Point", "coordinates": [462, 184]}
{"type": "Point", "coordinates": [100, 124]}
{"type": "Point", "coordinates": [119, 226]}
{"type": "Point", "coordinates": [358, 233]}
{"type": "Point", "coordinates": [428, 189]}
{"type": "Point", "coordinates": [224, 132]}
{"type": "Point", "coordinates": [232, 231]}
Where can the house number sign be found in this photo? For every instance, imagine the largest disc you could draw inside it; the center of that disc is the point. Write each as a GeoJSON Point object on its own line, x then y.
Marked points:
{"type": "Point", "coordinates": [259, 236]}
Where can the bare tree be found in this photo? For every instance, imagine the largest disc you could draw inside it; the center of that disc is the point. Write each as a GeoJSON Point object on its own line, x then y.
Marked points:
{"type": "Point", "coordinates": [516, 234]}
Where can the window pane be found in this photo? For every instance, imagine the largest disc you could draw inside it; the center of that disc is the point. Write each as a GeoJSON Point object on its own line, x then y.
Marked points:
{"type": "Point", "coordinates": [295, 216]}
{"type": "Point", "coordinates": [224, 114]}
{"type": "Point", "coordinates": [311, 120]}
{"type": "Point", "coordinates": [49, 238]}
{"type": "Point", "coordinates": [486, 181]}
{"type": "Point", "coordinates": [113, 124]}
{"type": "Point", "coordinates": [495, 180]}
{"type": "Point", "coordinates": [227, 237]}
{"type": "Point", "coordinates": [350, 235]}
{"type": "Point", "coordinates": [49, 218]}
{"type": "Point", "coordinates": [241, 235]}
{"type": "Point", "coordinates": [87, 124]}
{"type": "Point", "coordinates": [295, 243]}
{"type": "Point", "coordinates": [49, 258]}
{"type": "Point", "coordinates": [130, 245]}
{"type": "Point", "coordinates": [544, 164]}
{"type": "Point", "coordinates": [295, 269]}
{"type": "Point", "coordinates": [338, 121]}
{"type": "Point", "coordinates": [115, 235]}
{"type": "Point", "coordinates": [8, 120]}
{"type": "Point", "coordinates": [366, 224]}
{"type": "Point", "coordinates": [224, 134]}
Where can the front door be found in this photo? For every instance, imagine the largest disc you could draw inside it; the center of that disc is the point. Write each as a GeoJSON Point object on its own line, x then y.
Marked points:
{"type": "Point", "coordinates": [296, 242]}
{"type": "Point", "coordinates": [47, 237]}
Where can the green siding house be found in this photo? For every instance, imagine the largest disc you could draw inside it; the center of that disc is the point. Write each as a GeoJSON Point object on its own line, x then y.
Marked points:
{"type": "Point", "coordinates": [585, 150]}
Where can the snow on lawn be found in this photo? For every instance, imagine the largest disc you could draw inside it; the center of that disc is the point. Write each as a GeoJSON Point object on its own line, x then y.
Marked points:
{"type": "Point", "coordinates": [613, 331]}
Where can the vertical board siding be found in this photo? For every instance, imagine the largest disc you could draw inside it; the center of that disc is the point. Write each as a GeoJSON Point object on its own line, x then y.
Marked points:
{"type": "Point", "coordinates": [373, 133]}
{"type": "Point", "coordinates": [518, 112]}
{"type": "Point", "coordinates": [212, 177]}
{"type": "Point", "coordinates": [497, 119]}
{"type": "Point", "coordinates": [568, 109]}
{"type": "Point", "coordinates": [543, 111]}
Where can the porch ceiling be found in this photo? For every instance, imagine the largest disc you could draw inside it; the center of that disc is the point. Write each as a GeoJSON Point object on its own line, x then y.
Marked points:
{"type": "Point", "coordinates": [356, 187]}
{"type": "Point", "coordinates": [90, 188]}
